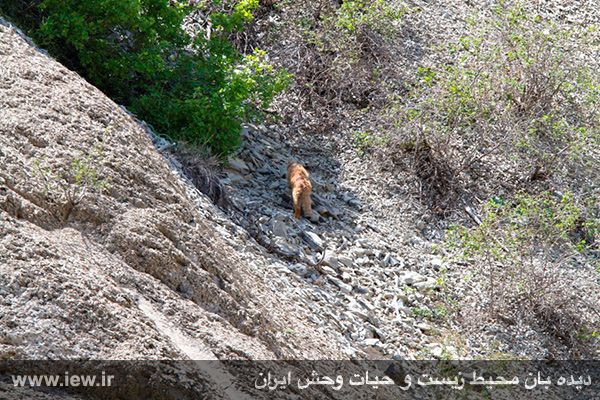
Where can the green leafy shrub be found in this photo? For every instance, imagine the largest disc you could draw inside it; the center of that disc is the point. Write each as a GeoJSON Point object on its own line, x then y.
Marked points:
{"type": "Point", "coordinates": [379, 15]}
{"type": "Point", "coordinates": [352, 42]}
{"type": "Point", "coordinates": [363, 141]}
{"type": "Point", "coordinates": [136, 51]}
{"type": "Point", "coordinates": [527, 225]}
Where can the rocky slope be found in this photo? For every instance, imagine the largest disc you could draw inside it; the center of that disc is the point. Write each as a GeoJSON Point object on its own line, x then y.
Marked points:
{"type": "Point", "coordinates": [386, 277]}
{"type": "Point", "coordinates": [368, 281]}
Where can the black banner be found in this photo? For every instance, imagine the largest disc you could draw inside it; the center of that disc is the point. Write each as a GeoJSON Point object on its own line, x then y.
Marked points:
{"type": "Point", "coordinates": [172, 379]}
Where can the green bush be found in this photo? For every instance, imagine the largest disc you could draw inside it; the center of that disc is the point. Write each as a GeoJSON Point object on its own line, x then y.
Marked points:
{"type": "Point", "coordinates": [378, 15]}
{"type": "Point", "coordinates": [136, 51]}
{"type": "Point", "coordinates": [512, 231]}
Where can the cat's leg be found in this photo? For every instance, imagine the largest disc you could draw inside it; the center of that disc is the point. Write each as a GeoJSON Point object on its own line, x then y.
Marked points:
{"type": "Point", "coordinates": [296, 198]}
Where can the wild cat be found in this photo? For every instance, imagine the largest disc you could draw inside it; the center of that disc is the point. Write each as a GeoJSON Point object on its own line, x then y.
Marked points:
{"type": "Point", "coordinates": [299, 183]}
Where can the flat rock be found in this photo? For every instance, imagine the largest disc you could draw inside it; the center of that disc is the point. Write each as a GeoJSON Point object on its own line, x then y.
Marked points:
{"type": "Point", "coordinates": [425, 327]}
{"type": "Point", "coordinates": [437, 263]}
{"type": "Point", "coordinates": [427, 284]}
{"type": "Point", "coordinates": [313, 240]}
{"type": "Point", "coordinates": [344, 287]}
{"type": "Point", "coordinates": [279, 228]}
{"type": "Point", "coordinates": [238, 164]}
{"type": "Point", "coordinates": [371, 342]}
{"type": "Point", "coordinates": [331, 259]}
{"type": "Point", "coordinates": [328, 270]}
{"type": "Point", "coordinates": [411, 277]}
{"type": "Point", "coordinates": [347, 261]}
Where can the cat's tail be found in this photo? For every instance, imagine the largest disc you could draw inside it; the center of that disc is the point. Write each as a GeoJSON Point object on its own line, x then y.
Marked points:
{"type": "Point", "coordinates": [306, 202]}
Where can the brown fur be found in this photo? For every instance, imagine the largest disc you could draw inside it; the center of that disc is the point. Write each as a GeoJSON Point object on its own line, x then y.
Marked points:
{"type": "Point", "coordinates": [299, 182]}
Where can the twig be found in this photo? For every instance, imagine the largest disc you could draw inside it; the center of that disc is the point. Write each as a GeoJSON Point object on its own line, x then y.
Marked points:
{"type": "Point", "coordinates": [472, 214]}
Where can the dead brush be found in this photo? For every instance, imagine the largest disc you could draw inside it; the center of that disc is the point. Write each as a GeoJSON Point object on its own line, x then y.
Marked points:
{"type": "Point", "coordinates": [436, 179]}
{"type": "Point", "coordinates": [203, 171]}
{"type": "Point", "coordinates": [341, 55]}
{"type": "Point", "coordinates": [539, 297]}
{"type": "Point", "coordinates": [514, 107]}
{"type": "Point", "coordinates": [523, 255]}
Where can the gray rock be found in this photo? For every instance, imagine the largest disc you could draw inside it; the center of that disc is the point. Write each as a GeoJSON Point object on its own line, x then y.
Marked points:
{"type": "Point", "coordinates": [436, 263]}
{"type": "Point", "coordinates": [300, 269]}
{"type": "Point", "coordinates": [314, 258]}
{"type": "Point", "coordinates": [239, 165]}
{"type": "Point", "coordinates": [363, 261]}
{"type": "Point", "coordinates": [279, 229]}
{"type": "Point", "coordinates": [381, 334]}
{"type": "Point", "coordinates": [361, 289]}
{"type": "Point", "coordinates": [365, 304]}
{"type": "Point", "coordinates": [328, 270]}
{"type": "Point", "coordinates": [364, 242]}
{"type": "Point", "coordinates": [405, 310]}
{"type": "Point", "coordinates": [376, 322]}
{"type": "Point", "coordinates": [234, 178]}
{"type": "Point", "coordinates": [346, 277]}
{"type": "Point", "coordinates": [390, 261]}
{"type": "Point", "coordinates": [414, 240]}
{"type": "Point", "coordinates": [284, 270]}
{"type": "Point", "coordinates": [275, 185]}
{"type": "Point", "coordinates": [331, 259]}
{"type": "Point", "coordinates": [245, 131]}
{"type": "Point", "coordinates": [362, 252]}
{"type": "Point", "coordinates": [360, 314]}
{"type": "Point", "coordinates": [410, 277]}
{"type": "Point", "coordinates": [435, 349]}
{"type": "Point", "coordinates": [355, 203]}
{"type": "Point", "coordinates": [288, 250]}
{"type": "Point", "coordinates": [344, 287]}
{"type": "Point", "coordinates": [350, 352]}
{"type": "Point", "coordinates": [347, 261]}
{"type": "Point", "coordinates": [313, 240]}
{"type": "Point", "coordinates": [328, 211]}
{"type": "Point", "coordinates": [428, 284]}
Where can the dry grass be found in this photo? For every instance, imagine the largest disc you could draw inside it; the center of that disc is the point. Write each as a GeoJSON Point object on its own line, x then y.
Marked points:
{"type": "Point", "coordinates": [203, 171]}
